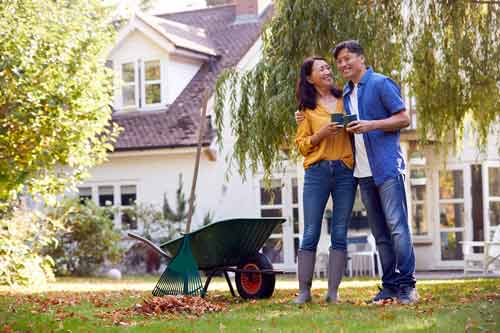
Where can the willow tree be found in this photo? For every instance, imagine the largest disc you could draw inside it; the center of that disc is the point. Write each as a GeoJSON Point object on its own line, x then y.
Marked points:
{"type": "Point", "coordinates": [400, 39]}
{"type": "Point", "coordinates": [455, 67]}
{"type": "Point", "coordinates": [54, 95]}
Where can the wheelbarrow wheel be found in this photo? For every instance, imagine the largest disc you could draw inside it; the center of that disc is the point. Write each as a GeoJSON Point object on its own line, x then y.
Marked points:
{"type": "Point", "coordinates": [255, 285]}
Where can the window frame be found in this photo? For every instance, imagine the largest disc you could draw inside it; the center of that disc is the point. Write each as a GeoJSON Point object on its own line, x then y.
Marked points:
{"type": "Point", "coordinates": [144, 82]}
{"type": "Point", "coordinates": [135, 84]}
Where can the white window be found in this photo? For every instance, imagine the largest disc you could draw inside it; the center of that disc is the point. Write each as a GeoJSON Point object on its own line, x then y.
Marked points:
{"type": "Point", "coordinates": [451, 213]}
{"type": "Point", "coordinates": [106, 196]}
{"type": "Point", "coordinates": [151, 87]}
{"type": "Point", "coordinates": [129, 84]}
{"type": "Point", "coordinates": [418, 185]}
{"type": "Point", "coordinates": [85, 193]}
{"type": "Point", "coordinates": [128, 196]}
{"type": "Point", "coordinates": [494, 196]}
{"type": "Point", "coordinates": [142, 84]}
{"type": "Point", "coordinates": [271, 205]}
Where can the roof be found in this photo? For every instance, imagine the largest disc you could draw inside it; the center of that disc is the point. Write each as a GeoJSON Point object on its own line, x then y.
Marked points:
{"type": "Point", "coordinates": [177, 125]}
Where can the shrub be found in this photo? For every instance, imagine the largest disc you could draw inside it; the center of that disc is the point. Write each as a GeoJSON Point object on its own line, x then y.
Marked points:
{"type": "Point", "coordinates": [22, 237]}
{"type": "Point", "coordinates": [88, 241]}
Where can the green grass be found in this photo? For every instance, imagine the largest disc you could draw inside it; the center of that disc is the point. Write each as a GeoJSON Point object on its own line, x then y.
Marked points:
{"type": "Point", "coordinates": [446, 306]}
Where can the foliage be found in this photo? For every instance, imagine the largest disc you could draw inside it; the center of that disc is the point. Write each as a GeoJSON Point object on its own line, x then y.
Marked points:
{"type": "Point", "coordinates": [54, 95]}
{"type": "Point", "coordinates": [22, 238]}
{"type": "Point", "coordinates": [448, 52]}
{"type": "Point", "coordinates": [180, 215]}
{"type": "Point", "coordinates": [89, 238]}
{"type": "Point", "coordinates": [455, 67]}
{"type": "Point", "coordinates": [470, 305]}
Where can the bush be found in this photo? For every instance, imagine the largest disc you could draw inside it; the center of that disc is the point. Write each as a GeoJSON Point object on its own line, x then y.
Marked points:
{"type": "Point", "coordinates": [22, 238]}
{"type": "Point", "coordinates": [88, 241]}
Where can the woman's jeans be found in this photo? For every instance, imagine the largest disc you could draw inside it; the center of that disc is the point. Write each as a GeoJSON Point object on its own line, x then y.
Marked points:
{"type": "Point", "coordinates": [321, 180]}
{"type": "Point", "coordinates": [388, 219]}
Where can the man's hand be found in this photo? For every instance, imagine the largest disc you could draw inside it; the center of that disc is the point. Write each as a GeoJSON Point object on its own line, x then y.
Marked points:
{"type": "Point", "coordinates": [360, 126]}
{"type": "Point", "coordinates": [299, 117]}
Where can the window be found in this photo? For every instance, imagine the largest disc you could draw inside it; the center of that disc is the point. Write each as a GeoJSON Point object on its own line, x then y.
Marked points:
{"type": "Point", "coordinates": [129, 79]}
{"type": "Point", "coordinates": [418, 186]}
{"type": "Point", "coordinates": [85, 193]}
{"type": "Point", "coordinates": [152, 82]}
{"type": "Point", "coordinates": [271, 205]}
{"type": "Point", "coordinates": [141, 83]}
{"type": "Point", "coordinates": [494, 195]}
{"type": "Point", "coordinates": [106, 196]}
{"type": "Point", "coordinates": [295, 217]}
{"type": "Point", "coordinates": [128, 196]}
{"type": "Point", "coordinates": [451, 213]}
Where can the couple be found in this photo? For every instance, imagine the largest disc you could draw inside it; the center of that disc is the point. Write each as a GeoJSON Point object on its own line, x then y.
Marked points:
{"type": "Point", "coordinates": [336, 159]}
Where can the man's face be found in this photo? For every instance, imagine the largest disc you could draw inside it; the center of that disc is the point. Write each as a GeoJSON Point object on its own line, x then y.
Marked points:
{"type": "Point", "coordinates": [350, 65]}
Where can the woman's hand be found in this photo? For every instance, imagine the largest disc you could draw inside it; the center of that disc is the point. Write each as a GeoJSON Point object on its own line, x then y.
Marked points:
{"type": "Point", "coordinates": [299, 117]}
{"type": "Point", "coordinates": [327, 130]}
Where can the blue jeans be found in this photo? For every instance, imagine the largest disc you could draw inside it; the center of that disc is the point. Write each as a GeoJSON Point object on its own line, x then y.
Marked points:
{"type": "Point", "coordinates": [321, 180]}
{"type": "Point", "coordinates": [388, 219]}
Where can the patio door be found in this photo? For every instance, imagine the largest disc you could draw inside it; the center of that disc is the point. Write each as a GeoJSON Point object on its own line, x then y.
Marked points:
{"type": "Point", "coordinates": [453, 213]}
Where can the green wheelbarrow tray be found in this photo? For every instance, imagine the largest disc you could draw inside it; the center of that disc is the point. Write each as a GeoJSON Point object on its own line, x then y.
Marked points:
{"type": "Point", "coordinates": [232, 246]}
{"type": "Point", "coordinates": [227, 242]}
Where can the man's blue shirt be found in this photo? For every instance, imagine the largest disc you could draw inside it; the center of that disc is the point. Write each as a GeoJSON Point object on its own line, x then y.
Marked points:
{"type": "Point", "coordinates": [379, 97]}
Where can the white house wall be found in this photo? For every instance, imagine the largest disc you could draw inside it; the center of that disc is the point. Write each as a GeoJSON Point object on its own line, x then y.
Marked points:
{"type": "Point", "coordinates": [158, 174]}
{"type": "Point", "coordinates": [180, 71]}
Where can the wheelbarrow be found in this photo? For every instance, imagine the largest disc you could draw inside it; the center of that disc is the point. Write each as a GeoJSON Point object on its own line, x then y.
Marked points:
{"type": "Point", "coordinates": [230, 246]}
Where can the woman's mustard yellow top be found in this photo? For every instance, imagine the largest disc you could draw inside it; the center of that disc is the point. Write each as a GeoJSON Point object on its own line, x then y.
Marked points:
{"type": "Point", "coordinates": [334, 147]}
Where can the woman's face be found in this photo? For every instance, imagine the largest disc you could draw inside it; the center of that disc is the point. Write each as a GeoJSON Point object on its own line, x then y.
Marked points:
{"type": "Point", "coordinates": [321, 74]}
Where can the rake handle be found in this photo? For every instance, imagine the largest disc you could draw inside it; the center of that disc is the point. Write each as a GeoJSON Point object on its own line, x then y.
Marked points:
{"type": "Point", "coordinates": [150, 244]}
{"type": "Point", "coordinates": [197, 161]}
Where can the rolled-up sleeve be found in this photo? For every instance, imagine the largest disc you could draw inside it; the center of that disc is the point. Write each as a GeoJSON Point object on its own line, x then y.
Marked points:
{"type": "Point", "coordinates": [303, 138]}
{"type": "Point", "coordinates": [391, 96]}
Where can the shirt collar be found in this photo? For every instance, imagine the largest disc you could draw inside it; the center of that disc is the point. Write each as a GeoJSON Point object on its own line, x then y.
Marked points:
{"type": "Point", "coordinates": [349, 87]}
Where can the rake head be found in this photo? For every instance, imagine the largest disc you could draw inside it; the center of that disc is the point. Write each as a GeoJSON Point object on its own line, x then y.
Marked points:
{"type": "Point", "coordinates": [181, 275]}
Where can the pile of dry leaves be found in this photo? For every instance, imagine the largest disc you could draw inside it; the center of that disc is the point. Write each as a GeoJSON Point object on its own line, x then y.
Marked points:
{"type": "Point", "coordinates": [166, 305]}
{"type": "Point", "coordinates": [177, 304]}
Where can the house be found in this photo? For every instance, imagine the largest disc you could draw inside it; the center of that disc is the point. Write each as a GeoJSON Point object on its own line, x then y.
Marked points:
{"type": "Point", "coordinates": [165, 64]}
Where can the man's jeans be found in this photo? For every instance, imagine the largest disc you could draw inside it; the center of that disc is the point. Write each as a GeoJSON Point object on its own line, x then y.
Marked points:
{"type": "Point", "coordinates": [321, 180]}
{"type": "Point", "coordinates": [388, 219]}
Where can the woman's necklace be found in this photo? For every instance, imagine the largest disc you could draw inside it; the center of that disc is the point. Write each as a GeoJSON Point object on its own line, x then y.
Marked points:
{"type": "Point", "coordinates": [329, 102]}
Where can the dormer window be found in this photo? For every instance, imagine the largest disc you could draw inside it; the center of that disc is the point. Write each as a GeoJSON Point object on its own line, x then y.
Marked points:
{"type": "Point", "coordinates": [141, 84]}
{"type": "Point", "coordinates": [129, 85]}
{"type": "Point", "coordinates": [152, 82]}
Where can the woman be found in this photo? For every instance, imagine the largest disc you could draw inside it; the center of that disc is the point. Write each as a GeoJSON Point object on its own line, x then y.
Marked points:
{"type": "Point", "coordinates": [328, 164]}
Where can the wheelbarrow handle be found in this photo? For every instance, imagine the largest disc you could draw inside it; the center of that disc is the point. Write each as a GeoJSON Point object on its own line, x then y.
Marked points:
{"type": "Point", "coordinates": [150, 244]}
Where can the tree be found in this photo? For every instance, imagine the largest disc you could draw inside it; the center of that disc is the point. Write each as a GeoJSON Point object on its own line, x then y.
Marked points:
{"type": "Point", "coordinates": [420, 43]}
{"type": "Point", "coordinates": [54, 95]}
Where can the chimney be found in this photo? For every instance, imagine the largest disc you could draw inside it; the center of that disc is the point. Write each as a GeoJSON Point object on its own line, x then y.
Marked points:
{"type": "Point", "coordinates": [249, 10]}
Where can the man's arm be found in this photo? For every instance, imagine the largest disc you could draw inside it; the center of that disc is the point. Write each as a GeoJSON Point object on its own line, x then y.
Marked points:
{"type": "Point", "coordinates": [395, 122]}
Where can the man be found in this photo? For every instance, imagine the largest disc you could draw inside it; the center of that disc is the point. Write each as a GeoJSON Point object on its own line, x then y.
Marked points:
{"type": "Point", "coordinates": [379, 167]}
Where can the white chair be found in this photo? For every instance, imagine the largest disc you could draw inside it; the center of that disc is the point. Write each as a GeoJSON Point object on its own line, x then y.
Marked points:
{"type": "Point", "coordinates": [488, 260]}
{"type": "Point", "coordinates": [362, 256]}
{"type": "Point", "coordinates": [321, 266]}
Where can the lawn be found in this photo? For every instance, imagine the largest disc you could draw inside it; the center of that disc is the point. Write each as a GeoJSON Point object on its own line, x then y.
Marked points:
{"type": "Point", "coordinates": [101, 305]}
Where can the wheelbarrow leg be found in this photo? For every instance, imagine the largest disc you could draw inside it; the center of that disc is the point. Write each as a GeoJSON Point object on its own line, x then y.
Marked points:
{"type": "Point", "coordinates": [210, 275]}
{"type": "Point", "coordinates": [228, 280]}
